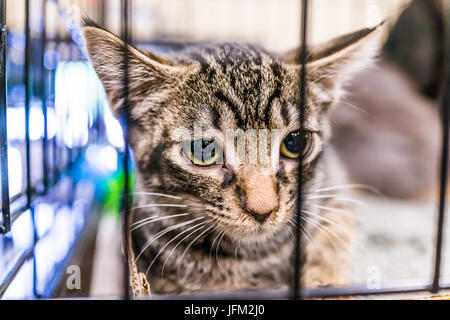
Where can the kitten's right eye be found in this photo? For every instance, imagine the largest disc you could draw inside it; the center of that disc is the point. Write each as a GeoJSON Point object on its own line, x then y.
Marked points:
{"type": "Point", "coordinates": [203, 153]}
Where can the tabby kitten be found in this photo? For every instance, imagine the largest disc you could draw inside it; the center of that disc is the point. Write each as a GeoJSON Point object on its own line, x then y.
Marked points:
{"type": "Point", "coordinates": [215, 135]}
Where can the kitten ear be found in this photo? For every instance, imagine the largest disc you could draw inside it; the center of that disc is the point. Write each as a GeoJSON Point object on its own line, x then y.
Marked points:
{"type": "Point", "coordinates": [149, 76]}
{"type": "Point", "coordinates": [346, 55]}
{"type": "Point", "coordinates": [333, 63]}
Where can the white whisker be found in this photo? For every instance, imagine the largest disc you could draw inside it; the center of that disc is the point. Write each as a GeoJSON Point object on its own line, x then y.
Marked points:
{"type": "Point", "coordinates": [146, 221]}
{"type": "Point", "coordinates": [332, 209]}
{"type": "Point", "coordinates": [163, 232]}
{"type": "Point", "coordinates": [238, 246]}
{"type": "Point", "coordinates": [334, 223]}
{"type": "Point", "coordinates": [214, 241]}
{"type": "Point", "coordinates": [153, 205]}
{"type": "Point", "coordinates": [350, 214]}
{"type": "Point", "coordinates": [350, 186]}
{"type": "Point", "coordinates": [319, 227]}
{"type": "Point", "coordinates": [323, 76]}
{"type": "Point", "coordinates": [217, 249]}
{"type": "Point", "coordinates": [338, 198]}
{"type": "Point", "coordinates": [180, 242]}
{"type": "Point", "coordinates": [192, 242]}
{"type": "Point", "coordinates": [156, 195]}
{"type": "Point", "coordinates": [355, 107]}
{"type": "Point", "coordinates": [169, 242]}
{"type": "Point", "coordinates": [302, 229]}
{"type": "Point", "coordinates": [308, 236]}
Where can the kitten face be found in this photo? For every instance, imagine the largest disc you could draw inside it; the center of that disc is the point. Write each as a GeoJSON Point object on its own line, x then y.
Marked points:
{"type": "Point", "coordinates": [218, 126]}
{"type": "Point", "coordinates": [249, 191]}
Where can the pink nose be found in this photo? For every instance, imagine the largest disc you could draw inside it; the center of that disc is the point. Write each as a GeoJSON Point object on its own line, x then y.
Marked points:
{"type": "Point", "coordinates": [259, 196]}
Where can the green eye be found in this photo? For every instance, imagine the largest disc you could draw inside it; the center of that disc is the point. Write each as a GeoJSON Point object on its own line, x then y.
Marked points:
{"type": "Point", "coordinates": [295, 144]}
{"type": "Point", "coordinates": [203, 153]}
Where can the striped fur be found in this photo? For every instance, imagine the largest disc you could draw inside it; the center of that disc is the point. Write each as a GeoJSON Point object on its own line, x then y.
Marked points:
{"type": "Point", "coordinates": [211, 243]}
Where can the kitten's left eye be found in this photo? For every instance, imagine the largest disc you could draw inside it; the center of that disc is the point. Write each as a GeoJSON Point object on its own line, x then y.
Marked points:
{"type": "Point", "coordinates": [203, 153]}
{"type": "Point", "coordinates": [297, 143]}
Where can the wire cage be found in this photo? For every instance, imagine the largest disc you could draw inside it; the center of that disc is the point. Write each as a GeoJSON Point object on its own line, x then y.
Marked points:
{"type": "Point", "coordinates": [59, 159]}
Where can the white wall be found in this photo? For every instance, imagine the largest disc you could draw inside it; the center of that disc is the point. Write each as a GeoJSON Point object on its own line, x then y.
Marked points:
{"type": "Point", "coordinates": [272, 23]}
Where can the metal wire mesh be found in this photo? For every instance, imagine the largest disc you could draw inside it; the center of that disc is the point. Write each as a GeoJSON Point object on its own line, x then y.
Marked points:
{"type": "Point", "coordinates": [50, 174]}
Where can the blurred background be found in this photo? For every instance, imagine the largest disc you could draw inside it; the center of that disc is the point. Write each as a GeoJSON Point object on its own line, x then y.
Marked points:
{"type": "Point", "coordinates": [65, 170]}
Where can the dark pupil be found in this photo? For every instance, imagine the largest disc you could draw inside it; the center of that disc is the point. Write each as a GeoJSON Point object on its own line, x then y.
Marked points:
{"type": "Point", "coordinates": [295, 142]}
{"type": "Point", "coordinates": [198, 150]}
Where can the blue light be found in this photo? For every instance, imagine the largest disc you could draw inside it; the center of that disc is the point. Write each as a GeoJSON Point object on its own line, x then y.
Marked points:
{"type": "Point", "coordinates": [17, 94]}
{"type": "Point", "coordinates": [18, 41]}
{"type": "Point", "coordinates": [45, 218]}
{"type": "Point", "coordinates": [16, 122]}
{"type": "Point", "coordinates": [22, 285]}
{"type": "Point", "coordinates": [113, 131]}
{"type": "Point", "coordinates": [51, 58]}
{"type": "Point", "coordinates": [14, 171]}
{"type": "Point", "coordinates": [102, 158]}
{"type": "Point", "coordinates": [22, 231]}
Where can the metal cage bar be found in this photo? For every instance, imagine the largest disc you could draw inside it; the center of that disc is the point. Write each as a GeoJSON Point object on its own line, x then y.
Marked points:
{"type": "Point", "coordinates": [126, 32]}
{"type": "Point", "coordinates": [28, 94]}
{"type": "Point", "coordinates": [6, 217]}
{"type": "Point", "coordinates": [445, 118]}
{"type": "Point", "coordinates": [298, 254]}
{"type": "Point", "coordinates": [311, 293]}
{"type": "Point", "coordinates": [45, 166]}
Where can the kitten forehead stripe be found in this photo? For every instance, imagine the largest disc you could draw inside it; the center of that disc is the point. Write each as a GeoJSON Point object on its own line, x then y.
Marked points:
{"type": "Point", "coordinates": [232, 107]}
